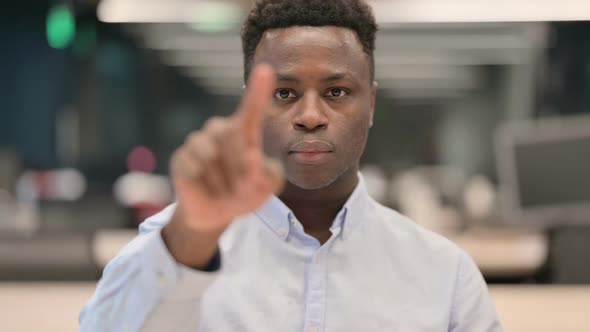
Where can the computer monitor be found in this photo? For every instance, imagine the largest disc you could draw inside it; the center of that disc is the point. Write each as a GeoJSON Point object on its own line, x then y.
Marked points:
{"type": "Point", "coordinates": [544, 171]}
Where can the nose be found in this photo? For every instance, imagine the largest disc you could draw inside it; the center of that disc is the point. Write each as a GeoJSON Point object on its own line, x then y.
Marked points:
{"type": "Point", "coordinates": [310, 115]}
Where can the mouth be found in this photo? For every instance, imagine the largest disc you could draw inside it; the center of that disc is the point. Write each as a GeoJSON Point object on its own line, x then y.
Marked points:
{"type": "Point", "coordinates": [311, 151]}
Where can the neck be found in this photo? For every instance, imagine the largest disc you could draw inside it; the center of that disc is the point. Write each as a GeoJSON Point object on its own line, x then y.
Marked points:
{"type": "Point", "coordinates": [316, 209]}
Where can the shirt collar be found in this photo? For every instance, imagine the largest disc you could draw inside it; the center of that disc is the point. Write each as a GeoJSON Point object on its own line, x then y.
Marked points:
{"type": "Point", "coordinates": [280, 218]}
{"type": "Point", "coordinates": [276, 215]}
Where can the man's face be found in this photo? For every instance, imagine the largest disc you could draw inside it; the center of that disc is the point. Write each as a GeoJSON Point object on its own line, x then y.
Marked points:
{"type": "Point", "coordinates": [323, 103]}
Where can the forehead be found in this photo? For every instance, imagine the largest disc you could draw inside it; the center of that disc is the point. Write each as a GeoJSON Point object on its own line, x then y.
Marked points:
{"type": "Point", "coordinates": [328, 48]}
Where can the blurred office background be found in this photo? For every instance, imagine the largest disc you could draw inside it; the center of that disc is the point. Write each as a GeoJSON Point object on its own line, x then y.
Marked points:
{"type": "Point", "coordinates": [482, 133]}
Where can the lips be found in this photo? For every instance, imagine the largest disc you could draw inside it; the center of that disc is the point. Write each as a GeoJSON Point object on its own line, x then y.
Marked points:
{"type": "Point", "coordinates": [311, 146]}
{"type": "Point", "coordinates": [311, 151]}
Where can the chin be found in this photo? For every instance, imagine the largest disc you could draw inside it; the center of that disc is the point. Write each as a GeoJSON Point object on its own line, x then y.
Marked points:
{"type": "Point", "coordinates": [313, 180]}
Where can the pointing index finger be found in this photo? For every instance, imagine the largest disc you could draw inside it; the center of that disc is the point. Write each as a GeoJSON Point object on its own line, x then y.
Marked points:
{"type": "Point", "coordinates": [256, 101]}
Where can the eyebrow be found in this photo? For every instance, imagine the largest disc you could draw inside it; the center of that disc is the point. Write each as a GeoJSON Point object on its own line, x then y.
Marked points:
{"type": "Point", "coordinates": [336, 77]}
{"type": "Point", "coordinates": [329, 78]}
{"type": "Point", "coordinates": [287, 78]}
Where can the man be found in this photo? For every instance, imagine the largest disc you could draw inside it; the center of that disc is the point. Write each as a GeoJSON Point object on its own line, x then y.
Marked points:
{"type": "Point", "coordinates": [320, 256]}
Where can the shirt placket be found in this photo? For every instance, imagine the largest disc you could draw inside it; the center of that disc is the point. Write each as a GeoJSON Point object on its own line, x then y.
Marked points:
{"type": "Point", "coordinates": [316, 276]}
{"type": "Point", "coordinates": [316, 292]}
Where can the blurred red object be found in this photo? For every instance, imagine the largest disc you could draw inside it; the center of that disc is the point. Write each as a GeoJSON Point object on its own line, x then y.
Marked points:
{"type": "Point", "coordinates": [143, 211]}
{"type": "Point", "coordinates": [141, 159]}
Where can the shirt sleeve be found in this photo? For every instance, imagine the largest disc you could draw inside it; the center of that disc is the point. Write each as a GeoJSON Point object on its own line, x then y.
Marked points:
{"type": "Point", "coordinates": [473, 309]}
{"type": "Point", "coordinates": [144, 287]}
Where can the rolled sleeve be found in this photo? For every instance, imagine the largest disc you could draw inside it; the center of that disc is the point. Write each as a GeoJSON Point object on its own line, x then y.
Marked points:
{"type": "Point", "coordinates": [175, 280]}
{"type": "Point", "coordinates": [143, 285]}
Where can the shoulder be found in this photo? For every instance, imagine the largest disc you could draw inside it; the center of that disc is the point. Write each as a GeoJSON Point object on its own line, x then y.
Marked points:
{"type": "Point", "coordinates": [158, 220]}
{"type": "Point", "coordinates": [148, 236]}
{"type": "Point", "coordinates": [407, 235]}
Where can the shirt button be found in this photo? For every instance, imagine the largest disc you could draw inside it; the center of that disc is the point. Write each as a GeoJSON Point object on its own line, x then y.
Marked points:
{"type": "Point", "coordinates": [282, 232]}
{"type": "Point", "coordinates": [161, 279]}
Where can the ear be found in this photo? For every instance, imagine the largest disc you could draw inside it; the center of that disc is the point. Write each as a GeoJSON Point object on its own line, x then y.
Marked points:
{"type": "Point", "coordinates": [374, 88]}
{"type": "Point", "coordinates": [243, 92]}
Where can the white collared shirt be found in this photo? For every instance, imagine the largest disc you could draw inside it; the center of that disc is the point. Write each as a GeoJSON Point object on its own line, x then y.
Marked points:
{"type": "Point", "coordinates": [378, 272]}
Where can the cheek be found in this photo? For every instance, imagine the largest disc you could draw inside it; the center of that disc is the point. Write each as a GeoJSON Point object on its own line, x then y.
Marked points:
{"type": "Point", "coordinates": [354, 135]}
{"type": "Point", "coordinates": [358, 140]}
{"type": "Point", "coordinates": [272, 137]}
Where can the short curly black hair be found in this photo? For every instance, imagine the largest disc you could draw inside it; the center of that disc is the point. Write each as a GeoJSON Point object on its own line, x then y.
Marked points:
{"type": "Point", "coordinates": [274, 14]}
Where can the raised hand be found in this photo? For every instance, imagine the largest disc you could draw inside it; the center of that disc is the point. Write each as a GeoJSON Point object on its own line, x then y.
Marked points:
{"type": "Point", "coordinates": [220, 173]}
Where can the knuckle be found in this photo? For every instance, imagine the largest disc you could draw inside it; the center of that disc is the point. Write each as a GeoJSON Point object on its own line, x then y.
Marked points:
{"type": "Point", "coordinates": [176, 161]}
{"type": "Point", "coordinates": [194, 136]}
{"type": "Point", "coordinates": [176, 156]}
{"type": "Point", "coordinates": [180, 157]}
{"type": "Point", "coordinates": [198, 141]}
{"type": "Point", "coordinates": [215, 123]}
{"type": "Point", "coordinates": [219, 129]}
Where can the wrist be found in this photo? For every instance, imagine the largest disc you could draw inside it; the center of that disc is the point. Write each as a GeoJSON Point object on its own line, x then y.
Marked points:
{"type": "Point", "coordinates": [190, 247]}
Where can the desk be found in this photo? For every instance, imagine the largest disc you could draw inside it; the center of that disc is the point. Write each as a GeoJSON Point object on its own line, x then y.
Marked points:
{"type": "Point", "coordinates": [505, 252]}
{"type": "Point", "coordinates": [54, 307]}
{"type": "Point", "coordinates": [46, 307]}
{"type": "Point", "coordinates": [543, 308]}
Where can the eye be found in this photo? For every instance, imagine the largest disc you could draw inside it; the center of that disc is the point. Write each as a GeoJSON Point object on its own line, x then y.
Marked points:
{"type": "Point", "coordinates": [284, 94]}
{"type": "Point", "coordinates": [337, 92]}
